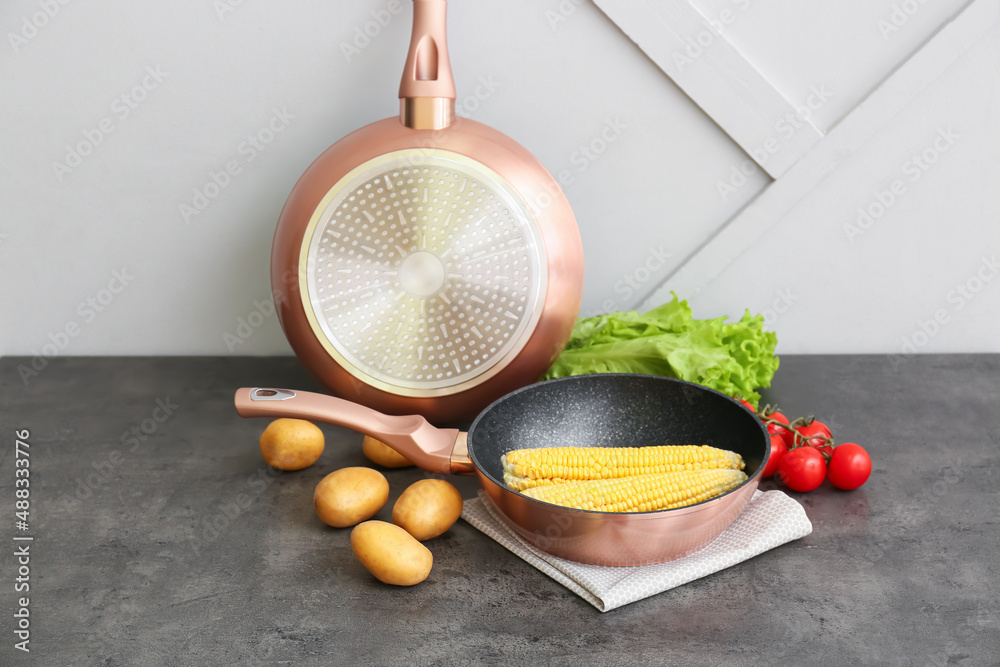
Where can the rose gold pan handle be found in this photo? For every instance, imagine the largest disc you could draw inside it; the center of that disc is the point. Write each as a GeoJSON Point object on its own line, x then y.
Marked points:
{"type": "Point", "coordinates": [427, 91]}
{"type": "Point", "coordinates": [434, 449]}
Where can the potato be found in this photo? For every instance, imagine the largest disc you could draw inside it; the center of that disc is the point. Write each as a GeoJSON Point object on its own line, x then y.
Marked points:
{"type": "Point", "coordinates": [427, 508]}
{"type": "Point", "coordinates": [350, 495]}
{"type": "Point", "coordinates": [391, 553]}
{"type": "Point", "coordinates": [291, 444]}
{"type": "Point", "coordinates": [382, 454]}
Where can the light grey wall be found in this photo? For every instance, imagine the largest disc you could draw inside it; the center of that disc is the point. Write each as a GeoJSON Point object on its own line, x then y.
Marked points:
{"type": "Point", "coordinates": [555, 89]}
{"type": "Point", "coordinates": [103, 249]}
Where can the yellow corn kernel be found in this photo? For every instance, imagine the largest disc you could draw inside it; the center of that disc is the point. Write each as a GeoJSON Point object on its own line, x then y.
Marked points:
{"type": "Point", "coordinates": [580, 463]}
{"type": "Point", "coordinates": [522, 483]}
{"type": "Point", "coordinates": [640, 493]}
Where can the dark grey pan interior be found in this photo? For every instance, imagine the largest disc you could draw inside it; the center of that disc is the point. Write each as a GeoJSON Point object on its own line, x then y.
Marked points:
{"type": "Point", "coordinates": [614, 410]}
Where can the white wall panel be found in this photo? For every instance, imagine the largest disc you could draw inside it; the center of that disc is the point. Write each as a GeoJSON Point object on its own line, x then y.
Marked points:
{"type": "Point", "coordinates": [560, 71]}
{"type": "Point", "coordinates": [847, 46]}
{"type": "Point", "coordinates": [932, 249]}
{"type": "Point", "coordinates": [694, 50]}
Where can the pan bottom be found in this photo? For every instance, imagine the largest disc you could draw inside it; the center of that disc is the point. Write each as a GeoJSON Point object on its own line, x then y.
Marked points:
{"type": "Point", "coordinates": [618, 540]}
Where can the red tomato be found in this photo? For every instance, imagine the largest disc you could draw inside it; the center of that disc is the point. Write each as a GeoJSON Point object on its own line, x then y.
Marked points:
{"type": "Point", "coordinates": [802, 469]}
{"type": "Point", "coordinates": [778, 449]}
{"type": "Point", "coordinates": [850, 466]}
{"type": "Point", "coordinates": [778, 428]}
{"type": "Point", "coordinates": [815, 435]}
{"type": "Point", "coordinates": [747, 404]}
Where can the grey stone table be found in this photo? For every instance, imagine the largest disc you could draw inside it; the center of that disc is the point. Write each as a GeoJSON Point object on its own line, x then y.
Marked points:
{"type": "Point", "coordinates": [160, 537]}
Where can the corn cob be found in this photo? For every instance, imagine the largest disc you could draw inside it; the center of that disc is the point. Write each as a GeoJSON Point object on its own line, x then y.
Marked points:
{"type": "Point", "coordinates": [526, 468]}
{"type": "Point", "coordinates": [522, 483]}
{"type": "Point", "coordinates": [640, 493]}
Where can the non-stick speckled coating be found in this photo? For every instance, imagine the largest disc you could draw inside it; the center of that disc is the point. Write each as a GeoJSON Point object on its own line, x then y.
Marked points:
{"type": "Point", "coordinates": [614, 410]}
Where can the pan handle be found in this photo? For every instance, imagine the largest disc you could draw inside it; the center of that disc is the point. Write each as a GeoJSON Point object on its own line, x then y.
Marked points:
{"type": "Point", "coordinates": [427, 91]}
{"type": "Point", "coordinates": [412, 436]}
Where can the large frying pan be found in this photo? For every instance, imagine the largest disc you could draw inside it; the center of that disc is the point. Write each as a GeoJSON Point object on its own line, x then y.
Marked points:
{"type": "Point", "coordinates": [427, 263]}
{"type": "Point", "coordinates": [608, 410]}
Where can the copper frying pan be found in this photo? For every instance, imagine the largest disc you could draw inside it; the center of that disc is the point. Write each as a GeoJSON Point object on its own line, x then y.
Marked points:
{"type": "Point", "coordinates": [597, 410]}
{"type": "Point", "coordinates": [427, 263]}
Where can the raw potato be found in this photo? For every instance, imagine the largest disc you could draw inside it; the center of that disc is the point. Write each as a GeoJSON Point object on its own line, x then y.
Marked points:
{"type": "Point", "coordinates": [350, 495]}
{"type": "Point", "coordinates": [291, 444]}
{"type": "Point", "coordinates": [427, 508]}
{"type": "Point", "coordinates": [382, 454]}
{"type": "Point", "coordinates": [390, 553]}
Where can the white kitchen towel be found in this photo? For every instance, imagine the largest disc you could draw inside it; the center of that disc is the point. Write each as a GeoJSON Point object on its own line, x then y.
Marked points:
{"type": "Point", "coordinates": [769, 520]}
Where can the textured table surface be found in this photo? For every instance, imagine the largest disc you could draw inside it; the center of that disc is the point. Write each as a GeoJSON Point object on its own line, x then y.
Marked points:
{"type": "Point", "coordinates": [180, 548]}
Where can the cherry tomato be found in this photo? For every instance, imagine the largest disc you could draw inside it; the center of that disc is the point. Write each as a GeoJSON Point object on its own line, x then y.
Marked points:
{"type": "Point", "coordinates": [850, 466]}
{"type": "Point", "coordinates": [778, 428]}
{"type": "Point", "coordinates": [815, 435]}
{"type": "Point", "coordinates": [778, 449]}
{"type": "Point", "coordinates": [747, 404]}
{"type": "Point", "coordinates": [802, 469]}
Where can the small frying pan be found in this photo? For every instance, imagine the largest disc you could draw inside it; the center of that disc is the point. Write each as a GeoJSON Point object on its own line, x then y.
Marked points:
{"type": "Point", "coordinates": [607, 410]}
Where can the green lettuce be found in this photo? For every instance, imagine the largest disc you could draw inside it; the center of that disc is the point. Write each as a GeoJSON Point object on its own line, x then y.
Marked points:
{"type": "Point", "coordinates": [733, 357]}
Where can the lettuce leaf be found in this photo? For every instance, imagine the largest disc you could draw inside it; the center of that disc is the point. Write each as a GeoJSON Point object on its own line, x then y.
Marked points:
{"type": "Point", "coordinates": [732, 357]}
